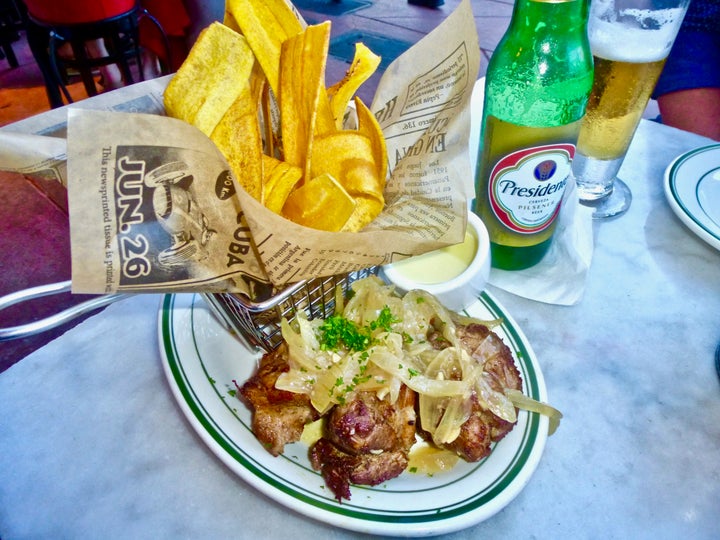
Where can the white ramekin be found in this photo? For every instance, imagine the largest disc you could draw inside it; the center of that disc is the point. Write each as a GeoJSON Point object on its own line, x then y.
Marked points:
{"type": "Point", "coordinates": [458, 293]}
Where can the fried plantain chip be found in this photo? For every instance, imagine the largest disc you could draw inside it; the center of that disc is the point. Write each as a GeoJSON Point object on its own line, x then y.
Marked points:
{"type": "Point", "coordinates": [302, 83]}
{"type": "Point", "coordinates": [321, 203]}
{"type": "Point", "coordinates": [348, 156]}
{"type": "Point", "coordinates": [369, 126]}
{"type": "Point", "coordinates": [279, 179]}
{"type": "Point", "coordinates": [210, 79]}
{"type": "Point", "coordinates": [270, 122]}
{"type": "Point", "coordinates": [237, 136]}
{"type": "Point", "coordinates": [364, 64]}
{"type": "Point", "coordinates": [256, 87]}
{"type": "Point", "coordinates": [366, 210]}
{"type": "Point", "coordinates": [265, 24]}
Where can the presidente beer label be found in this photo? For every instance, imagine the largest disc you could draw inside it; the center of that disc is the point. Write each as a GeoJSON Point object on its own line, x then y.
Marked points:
{"type": "Point", "coordinates": [526, 187]}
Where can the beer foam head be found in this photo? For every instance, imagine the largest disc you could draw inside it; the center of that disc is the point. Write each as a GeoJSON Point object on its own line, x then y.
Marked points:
{"type": "Point", "coordinates": [632, 35]}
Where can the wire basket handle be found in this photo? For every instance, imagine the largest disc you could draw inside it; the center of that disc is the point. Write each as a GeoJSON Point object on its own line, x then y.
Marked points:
{"type": "Point", "coordinates": [37, 327]}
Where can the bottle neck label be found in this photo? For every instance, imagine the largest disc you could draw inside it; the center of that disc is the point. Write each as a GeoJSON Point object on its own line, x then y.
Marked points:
{"type": "Point", "coordinates": [526, 187]}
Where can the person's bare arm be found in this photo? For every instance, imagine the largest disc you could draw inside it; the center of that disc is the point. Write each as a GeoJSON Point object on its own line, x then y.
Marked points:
{"type": "Point", "coordinates": [696, 110]}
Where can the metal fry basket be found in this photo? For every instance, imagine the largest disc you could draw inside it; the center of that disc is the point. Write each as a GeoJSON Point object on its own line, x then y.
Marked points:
{"type": "Point", "coordinates": [259, 322]}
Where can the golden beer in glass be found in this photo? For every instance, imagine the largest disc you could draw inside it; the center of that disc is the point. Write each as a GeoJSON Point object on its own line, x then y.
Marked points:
{"type": "Point", "coordinates": [630, 41]}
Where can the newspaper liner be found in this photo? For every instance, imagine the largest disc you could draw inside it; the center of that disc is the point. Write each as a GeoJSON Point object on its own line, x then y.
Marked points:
{"type": "Point", "coordinates": [153, 207]}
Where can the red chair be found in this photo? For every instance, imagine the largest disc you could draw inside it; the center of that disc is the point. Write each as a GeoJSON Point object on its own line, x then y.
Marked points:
{"type": "Point", "coordinates": [77, 11]}
{"type": "Point", "coordinates": [77, 23]}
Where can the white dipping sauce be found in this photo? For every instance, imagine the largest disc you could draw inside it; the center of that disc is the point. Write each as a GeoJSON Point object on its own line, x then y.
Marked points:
{"type": "Point", "coordinates": [440, 265]}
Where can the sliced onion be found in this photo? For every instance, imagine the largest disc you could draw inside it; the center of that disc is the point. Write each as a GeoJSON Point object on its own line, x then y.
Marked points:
{"type": "Point", "coordinates": [295, 381]}
{"type": "Point", "coordinates": [444, 379]}
{"type": "Point", "coordinates": [412, 372]}
{"type": "Point", "coordinates": [425, 303]}
{"type": "Point", "coordinates": [464, 319]}
{"type": "Point", "coordinates": [335, 384]}
{"type": "Point", "coordinates": [443, 417]}
{"type": "Point", "coordinates": [455, 415]}
{"type": "Point", "coordinates": [521, 401]}
{"type": "Point", "coordinates": [496, 402]}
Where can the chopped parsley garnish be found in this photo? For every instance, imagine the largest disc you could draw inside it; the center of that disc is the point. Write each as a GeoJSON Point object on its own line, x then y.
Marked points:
{"type": "Point", "coordinates": [337, 331]}
{"type": "Point", "coordinates": [384, 321]}
{"type": "Point", "coordinates": [359, 380]}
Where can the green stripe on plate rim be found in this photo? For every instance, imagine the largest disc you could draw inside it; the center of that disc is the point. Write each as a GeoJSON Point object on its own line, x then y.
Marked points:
{"type": "Point", "coordinates": [225, 442]}
{"type": "Point", "coordinates": [672, 177]}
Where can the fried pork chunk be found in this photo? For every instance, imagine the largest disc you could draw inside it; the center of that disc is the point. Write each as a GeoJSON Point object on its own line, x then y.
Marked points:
{"type": "Point", "coordinates": [367, 441]}
{"type": "Point", "coordinates": [484, 428]}
{"type": "Point", "coordinates": [278, 416]}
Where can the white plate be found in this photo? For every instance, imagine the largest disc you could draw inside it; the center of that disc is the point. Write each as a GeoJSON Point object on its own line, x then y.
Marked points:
{"type": "Point", "coordinates": [692, 187]}
{"type": "Point", "coordinates": [201, 360]}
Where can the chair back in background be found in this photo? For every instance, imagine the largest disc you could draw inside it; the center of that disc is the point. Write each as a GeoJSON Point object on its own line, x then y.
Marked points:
{"type": "Point", "coordinates": [77, 11]}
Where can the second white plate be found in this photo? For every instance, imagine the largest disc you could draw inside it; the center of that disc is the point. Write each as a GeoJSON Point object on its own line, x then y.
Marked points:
{"type": "Point", "coordinates": [692, 187]}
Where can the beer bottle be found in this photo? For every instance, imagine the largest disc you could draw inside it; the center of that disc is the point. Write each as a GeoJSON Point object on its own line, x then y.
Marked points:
{"type": "Point", "coordinates": [537, 85]}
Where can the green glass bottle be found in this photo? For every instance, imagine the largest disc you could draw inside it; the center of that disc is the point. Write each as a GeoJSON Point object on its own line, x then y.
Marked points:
{"type": "Point", "coordinates": [537, 85]}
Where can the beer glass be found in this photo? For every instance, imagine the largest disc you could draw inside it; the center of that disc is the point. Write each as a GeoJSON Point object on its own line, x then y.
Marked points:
{"type": "Point", "coordinates": [630, 41]}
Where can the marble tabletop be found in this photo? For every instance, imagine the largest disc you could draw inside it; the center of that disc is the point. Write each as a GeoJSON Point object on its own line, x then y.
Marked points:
{"type": "Point", "coordinates": [93, 443]}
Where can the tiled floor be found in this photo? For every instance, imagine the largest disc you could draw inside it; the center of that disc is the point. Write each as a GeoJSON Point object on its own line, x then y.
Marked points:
{"type": "Point", "coordinates": [34, 247]}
